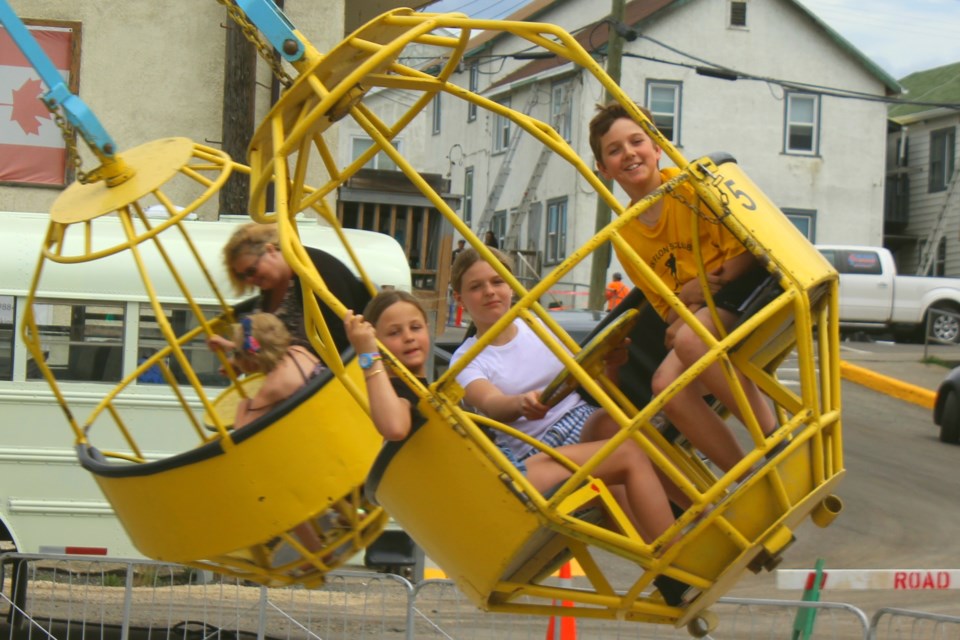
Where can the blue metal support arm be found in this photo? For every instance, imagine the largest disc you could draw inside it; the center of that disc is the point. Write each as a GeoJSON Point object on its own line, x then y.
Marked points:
{"type": "Point", "coordinates": [75, 110]}
{"type": "Point", "coordinates": [275, 26]}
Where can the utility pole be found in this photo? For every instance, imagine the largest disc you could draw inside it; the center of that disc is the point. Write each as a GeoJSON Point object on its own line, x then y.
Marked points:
{"type": "Point", "coordinates": [239, 83]}
{"type": "Point", "coordinates": [601, 257]}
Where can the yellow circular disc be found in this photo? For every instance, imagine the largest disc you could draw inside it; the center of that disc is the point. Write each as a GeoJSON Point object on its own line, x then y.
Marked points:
{"type": "Point", "coordinates": [153, 164]}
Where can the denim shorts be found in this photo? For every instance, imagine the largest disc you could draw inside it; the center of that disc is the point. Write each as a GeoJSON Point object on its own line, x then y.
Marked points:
{"type": "Point", "coordinates": [563, 432]}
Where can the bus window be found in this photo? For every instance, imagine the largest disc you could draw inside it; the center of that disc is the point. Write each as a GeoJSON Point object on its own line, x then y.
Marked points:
{"type": "Point", "coordinates": [81, 342]}
{"type": "Point", "coordinates": [201, 359]}
{"type": "Point", "coordinates": [6, 337]}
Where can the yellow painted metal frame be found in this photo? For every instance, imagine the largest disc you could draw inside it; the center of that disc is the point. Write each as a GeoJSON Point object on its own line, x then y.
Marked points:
{"type": "Point", "coordinates": [496, 535]}
{"type": "Point", "coordinates": [278, 502]}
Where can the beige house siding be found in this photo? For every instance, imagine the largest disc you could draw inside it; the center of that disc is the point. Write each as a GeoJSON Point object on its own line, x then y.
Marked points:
{"type": "Point", "coordinates": [152, 70]}
{"type": "Point", "coordinates": [926, 207]}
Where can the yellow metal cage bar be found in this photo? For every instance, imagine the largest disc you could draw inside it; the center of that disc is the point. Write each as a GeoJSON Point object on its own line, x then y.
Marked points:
{"type": "Point", "coordinates": [740, 521]}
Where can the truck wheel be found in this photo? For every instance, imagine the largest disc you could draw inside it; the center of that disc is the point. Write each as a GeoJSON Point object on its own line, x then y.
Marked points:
{"type": "Point", "coordinates": [950, 419]}
{"type": "Point", "coordinates": [945, 326]}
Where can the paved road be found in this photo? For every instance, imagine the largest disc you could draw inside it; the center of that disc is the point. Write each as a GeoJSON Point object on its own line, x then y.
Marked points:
{"type": "Point", "coordinates": [902, 488]}
{"type": "Point", "coordinates": [901, 492]}
{"type": "Point", "coordinates": [900, 498]}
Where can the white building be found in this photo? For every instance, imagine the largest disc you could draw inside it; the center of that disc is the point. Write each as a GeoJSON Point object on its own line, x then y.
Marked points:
{"type": "Point", "coordinates": [923, 179]}
{"type": "Point", "coordinates": [792, 118]}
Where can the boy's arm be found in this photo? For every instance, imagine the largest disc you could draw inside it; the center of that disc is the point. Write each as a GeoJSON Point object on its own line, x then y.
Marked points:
{"type": "Point", "coordinates": [736, 266]}
{"type": "Point", "coordinates": [691, 293]}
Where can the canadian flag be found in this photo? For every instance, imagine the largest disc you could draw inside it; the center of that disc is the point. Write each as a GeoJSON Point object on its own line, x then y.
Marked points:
{"type": "Point", "coordinates": [32, 149]}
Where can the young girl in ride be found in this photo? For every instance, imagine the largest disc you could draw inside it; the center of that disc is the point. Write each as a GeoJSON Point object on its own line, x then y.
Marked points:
{"type": "Point", "coordinates": [399, 321]}
{"type": "Point", "coordinates": [261, 343]}
{"type": "Point", "coordinates": [504, 382]}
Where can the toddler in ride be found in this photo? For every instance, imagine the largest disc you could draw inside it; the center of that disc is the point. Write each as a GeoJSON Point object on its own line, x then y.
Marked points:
{"type": "Point", "coordinates": [261, 343]}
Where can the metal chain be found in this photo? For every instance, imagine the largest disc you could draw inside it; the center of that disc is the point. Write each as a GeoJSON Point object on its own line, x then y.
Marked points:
{"type": "Point", "coordinates": [724, 202]}
{"type": "Point", "coordinates": [253, 35]}
{"type": "Point", "coordinates": [69, 139]}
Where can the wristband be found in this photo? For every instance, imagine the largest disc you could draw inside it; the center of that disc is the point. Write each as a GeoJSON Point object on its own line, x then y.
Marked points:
{"type": "Point", "coordinates": [367, 360]}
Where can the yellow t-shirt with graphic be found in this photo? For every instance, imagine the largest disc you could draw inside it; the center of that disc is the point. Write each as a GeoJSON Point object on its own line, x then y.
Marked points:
{"type": "Point", "coordinates": [667, 246]}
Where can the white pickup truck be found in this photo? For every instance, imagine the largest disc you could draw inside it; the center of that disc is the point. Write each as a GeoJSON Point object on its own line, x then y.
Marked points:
{"type": "Point", "coordinates": [874, 297]}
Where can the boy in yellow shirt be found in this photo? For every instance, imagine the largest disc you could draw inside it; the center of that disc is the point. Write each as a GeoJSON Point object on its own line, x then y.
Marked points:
{"type": "Point", "coordinates": [662, 236]}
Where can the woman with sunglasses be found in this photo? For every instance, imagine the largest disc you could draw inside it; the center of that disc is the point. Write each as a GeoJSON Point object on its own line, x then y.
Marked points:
{"type": "Point", "coordinates": [253, 258]}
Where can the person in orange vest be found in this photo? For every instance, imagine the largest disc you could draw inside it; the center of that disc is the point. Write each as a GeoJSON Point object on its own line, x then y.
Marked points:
{"type": "Point", "coordinates": [616, 291]}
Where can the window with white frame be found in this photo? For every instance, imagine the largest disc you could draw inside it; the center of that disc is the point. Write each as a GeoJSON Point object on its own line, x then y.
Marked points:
{"type": "Point", "coordinates": [473, 86]}
{"type": "Point", "coordinates": [561, 109]}
{"type": "Point", "coordinates": [802, 123]}
{"type": "Point", "coordinates": [468, 196]}
{"type": "Point", "coordinates": [663, 101]}
{"type": "Point", "coordinates": [556, 246]}
{"type": "Point", "coordinates": [942, 153]}
{"type": "Point", "coordinates": [151, 339]}
{"type": "Point", "coordinates": [379, 161]}
{"type": "Point", "coordinates": [738, 13]}
{"type": "Point", "coordinates": [805, 220]}
{"type": "Point", "coordinates": [501, 130]}
{"type": "Point", "coordinates": [498, 224]}
{"type": "Point", "coordinates": [436, 113]}
{"type": "Point", "coordinates": [81, 342]}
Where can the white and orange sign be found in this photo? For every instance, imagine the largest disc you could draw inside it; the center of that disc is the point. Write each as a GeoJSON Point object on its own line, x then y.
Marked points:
{"type": "Point", "coordinates": [879, 579]}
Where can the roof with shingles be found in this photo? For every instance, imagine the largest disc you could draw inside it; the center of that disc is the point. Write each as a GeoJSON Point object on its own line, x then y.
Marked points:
{"type": "Point", "coordinates": [940, 85]}
{"type": "Point", "coordinates": [592, 37]}
{"type": "Point", "coordinates": [636, 12]}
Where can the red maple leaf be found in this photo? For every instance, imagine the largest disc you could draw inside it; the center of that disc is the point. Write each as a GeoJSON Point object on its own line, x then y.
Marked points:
{"type": "Point", "coordinates": [28, 108]}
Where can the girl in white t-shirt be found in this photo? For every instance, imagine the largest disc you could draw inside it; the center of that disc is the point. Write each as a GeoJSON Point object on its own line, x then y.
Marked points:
{"type": "Point", "coordinates": [504, 383]}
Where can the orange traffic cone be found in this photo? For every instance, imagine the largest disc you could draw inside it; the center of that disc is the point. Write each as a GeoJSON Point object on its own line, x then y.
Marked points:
{"type": "Point", "coordinates": [564, 628]}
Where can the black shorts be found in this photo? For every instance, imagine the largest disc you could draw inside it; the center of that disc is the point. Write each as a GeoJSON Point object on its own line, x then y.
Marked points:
{"type": "Point", "coordinates": [735, 295]}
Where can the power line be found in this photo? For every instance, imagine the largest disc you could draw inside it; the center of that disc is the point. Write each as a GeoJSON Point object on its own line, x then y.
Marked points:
{"type": "Point", "coordinates": [710, 69]}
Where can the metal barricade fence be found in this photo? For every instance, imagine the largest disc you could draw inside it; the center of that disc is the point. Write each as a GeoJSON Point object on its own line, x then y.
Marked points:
{"type": "Point", "coordinates": [86, 598]}
{"type": "Point", "coordinates": [901, 624]}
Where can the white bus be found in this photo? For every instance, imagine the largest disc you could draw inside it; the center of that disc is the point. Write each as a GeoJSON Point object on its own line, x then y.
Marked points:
{"type": "Point", "coordinates": [96, 321]}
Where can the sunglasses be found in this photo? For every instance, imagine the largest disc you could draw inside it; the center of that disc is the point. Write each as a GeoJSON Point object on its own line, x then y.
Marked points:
{"type": "Point", "coordinates": [250, 271]}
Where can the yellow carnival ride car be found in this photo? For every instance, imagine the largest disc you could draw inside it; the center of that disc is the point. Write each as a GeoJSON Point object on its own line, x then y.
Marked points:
{"type": "Point", "coordinates": [448, 485]}
{"type": "Point", "coordinates": [234, 501]}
